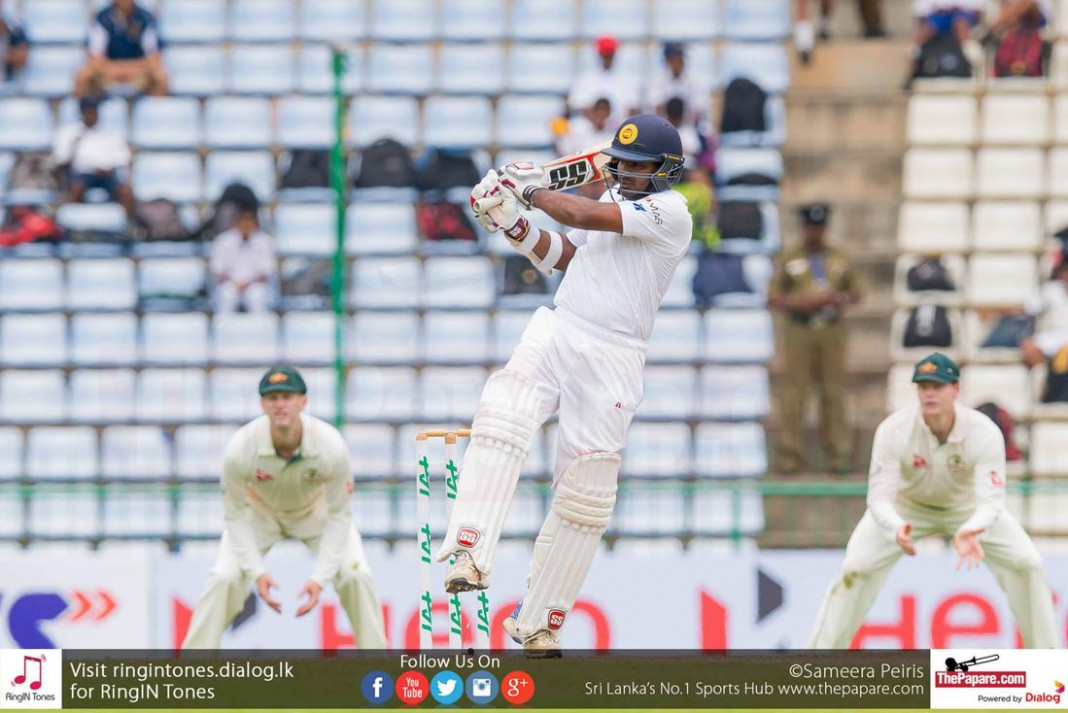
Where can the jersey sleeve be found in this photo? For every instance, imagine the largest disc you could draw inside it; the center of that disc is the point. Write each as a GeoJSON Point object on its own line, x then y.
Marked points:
{"type": "Point", "coordinates": [988, 477]}
{"type": "Point", "coordinates": [339, 513]}
{"type": "Point", "coordinates": [884, 479]}
{"type": "Point", "coordinates": [578, 237]}
{"type": "Point", "coordinates": [237, 515]}
{"type": "Point", "coordinates": [659, 219]}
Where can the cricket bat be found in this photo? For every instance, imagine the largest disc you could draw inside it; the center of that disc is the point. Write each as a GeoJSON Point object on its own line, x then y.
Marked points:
{"type": "Point", "coordinates": [573, 170]}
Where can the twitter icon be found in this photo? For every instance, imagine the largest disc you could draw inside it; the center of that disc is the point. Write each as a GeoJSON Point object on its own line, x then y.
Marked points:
{"type": "Point", "coordinates": [446, 687]}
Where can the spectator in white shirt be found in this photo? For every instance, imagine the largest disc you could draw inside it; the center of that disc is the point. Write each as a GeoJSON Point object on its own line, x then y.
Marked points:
{"type": "Point", "coordinates": [243, 262]}
{"type": "Point", "coordinates": [586, 130]}
{"type": "Point", "coordinates": [1050, 306]}
{"type": "Point", "coordinates": [675, 81]}
{"type": "Point", "coordinates": [605, 81]}
{"type": "Point", "coordinates": [91, 156]}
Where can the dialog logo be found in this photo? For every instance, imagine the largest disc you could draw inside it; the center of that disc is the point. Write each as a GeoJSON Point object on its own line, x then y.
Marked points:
{"type": "Point", "coordinates": [482, 687]}
{"type": "Point", "coordinates": [446, 687]}
{"type": "Point", "coordinates": [377, 687]}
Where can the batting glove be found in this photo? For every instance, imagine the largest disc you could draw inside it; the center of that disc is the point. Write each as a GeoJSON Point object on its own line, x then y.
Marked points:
{"type": "Point", "coordinates": [524, 178]}
{"type": "Point", "coordinates": [515, 227]}
{"type": "Point", "coordinates": [486, 195]}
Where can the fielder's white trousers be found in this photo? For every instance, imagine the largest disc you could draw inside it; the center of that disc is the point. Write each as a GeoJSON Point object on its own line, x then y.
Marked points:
{"type": "Point", "coordinates": [871, 554]}
{"type": "Point", "coordinates": [227, 588]}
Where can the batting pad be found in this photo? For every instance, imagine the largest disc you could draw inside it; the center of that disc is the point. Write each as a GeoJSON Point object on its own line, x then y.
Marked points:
{"type": "Point", "coordinates": [581, 510]}
{"type": "Point", "coordinates": [501, 433]}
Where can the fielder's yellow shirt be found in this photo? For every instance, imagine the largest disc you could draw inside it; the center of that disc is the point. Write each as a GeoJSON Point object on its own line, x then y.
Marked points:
{"type": "Point", "coordinates": [314, 486]}
{"type": "Point", "coordinates": [910, 466]}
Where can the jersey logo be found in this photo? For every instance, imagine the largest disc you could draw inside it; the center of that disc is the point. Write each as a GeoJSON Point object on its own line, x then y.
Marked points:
{"type": "Point", "coordinates": [310, 474]}
{"type": "Point", "coordinates": [918, 461]}
{"type": "Point", "coordinates": [995, 479]}
{"type": "Point", "coordinates": [263, 476]}
{"type": "Point", "coordinates": [638, 207]}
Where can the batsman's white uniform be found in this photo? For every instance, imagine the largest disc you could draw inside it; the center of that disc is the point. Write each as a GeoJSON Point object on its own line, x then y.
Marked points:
{"type": "Point", "coordinates": [585, 358]}
{"type": "Point", "coordinates": [941, 488]}
{"type": "Point", "coordinates": [266, 499]}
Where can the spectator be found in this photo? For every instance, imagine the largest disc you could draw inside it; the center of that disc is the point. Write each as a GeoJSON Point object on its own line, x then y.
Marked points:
{"type": "Point", "coordinates": [1050, 307]}
{"type": "Point", "coordinates": [1022, 14]}
{"type": "Point", "coordinates": [938, 18]}
{"type": "Point", "coordinates": [604, 80]}
{"type": "Point", "coordinates": [14, 46]}
{"type": "Point", "coordinates": [588, 129]}
{"type": "Point", "coordinates": [675, 81]}
{"type": "Point", "coordinates": [243, 263]}
{"type": "Point", "coordinates": [87, 155]}
{"type": "Point", "coordinates": [697, 147]}
{"type": "Point", "coordinates": [1021, 50]}
{"type": "Point", "coordinates": [124, 48]}
{"type": "Point", "coordinates": [805, 32]}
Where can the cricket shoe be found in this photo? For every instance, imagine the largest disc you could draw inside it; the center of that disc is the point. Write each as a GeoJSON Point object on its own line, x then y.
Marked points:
{"type": "Point", "coordinates": [464, 576]}
{"type": "Point", "coordinates": [542, 644]}
{"type": "Point", "coordinates": [510, 623]}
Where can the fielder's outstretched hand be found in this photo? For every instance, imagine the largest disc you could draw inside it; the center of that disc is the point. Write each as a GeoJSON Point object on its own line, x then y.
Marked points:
{"type": "Point", "coordinates": [966, 543]}
{"type": "Point", "coordinates": [312, 589]}
{"type": "Point", "coordinates": [264, 584]}
{"type": "Point", "coordinates": [904, 539]}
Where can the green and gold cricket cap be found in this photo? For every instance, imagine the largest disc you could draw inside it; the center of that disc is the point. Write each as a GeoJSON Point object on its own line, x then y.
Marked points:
{"type": "Point", "coordinates": [282, 379]}
{"type": "Point", "coordinates": [936, 367]}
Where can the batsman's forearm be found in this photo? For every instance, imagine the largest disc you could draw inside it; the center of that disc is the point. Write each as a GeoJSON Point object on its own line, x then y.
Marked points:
{"type": "Point", "coordinates": [579, 212]}
{"type": "Point", "coordinates": [541, 249]}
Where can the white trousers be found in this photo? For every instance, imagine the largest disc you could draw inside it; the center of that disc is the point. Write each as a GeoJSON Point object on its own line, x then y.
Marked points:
{"type": "Point", "coordinates": [871, 554]}
{"type": "Point", "coordinates": [256, 297]}
{"type": "Point", "coordinates": [227, 588]}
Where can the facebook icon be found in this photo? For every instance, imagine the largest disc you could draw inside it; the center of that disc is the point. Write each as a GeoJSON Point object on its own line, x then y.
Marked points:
{"type": "Point", "coordinates": [377, 687]}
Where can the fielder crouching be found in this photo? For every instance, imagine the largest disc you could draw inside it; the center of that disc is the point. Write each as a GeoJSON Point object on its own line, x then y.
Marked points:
{"type": "Point", "coordinates": [937, 468]}
{"type": "Point", "coordinates": [585, 358]}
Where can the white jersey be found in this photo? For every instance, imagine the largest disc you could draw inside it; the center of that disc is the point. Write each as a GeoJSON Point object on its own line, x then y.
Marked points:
{"type": "Point", "coordinates": [315, 483]}
{"type": "Point", "coordinates": [616, 281]}
{"type": "Point", "coordinates": [910, 466]}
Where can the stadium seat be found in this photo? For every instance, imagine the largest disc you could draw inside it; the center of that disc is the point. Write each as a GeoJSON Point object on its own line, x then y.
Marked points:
{"type": "Point", "coordinates": [1011, 173]}
{"type": "Point", "coordinates": [262, 20]}
{"type": "Point", "coordinates": [33, 396]}
{"type": "Point", "coordinates": [451, 393]}
{"type": "Point", "coordinates": [399, 69]}
{"type": "Point", "coordinates": [900, 391]}
{"type": "Point", "coordinates": [1001, 279]}
{"type": "Point", "coordinates": [114, 114]}
{"type": "Point", "coordinates": [1049, 458]}
{"type": "Point", "coordinates": [757, 20]}
{"type": "Point", "coordinates": [459, 282]}
{"type": "Point", "coordinates": [77, 517]}
{"type": "Point", "coordinates": [385, 282]}
{"type": "Point", "coordinates": [676, 336]}
{"type": "Point", "coordinates": [1017, 119]}
{"type": "Point", "coordinates": [933, 228]}
{"type": "Point", "coordinates": [508, 327]}
{"type": "Point", "coordinates": [195, 70]}
{"type": "Point", "coordinates": [315, 70]}
{"type": "Point", "coordinates": [469, 69]}
{"type": "Point", "coordinates": [688, 20]}
{"type": "Point", "coordinates": [721, 513]}
{"type": "Point", "coordinates": [382, 393]}
{"type": "Point", "coordinates": [455, 337]}
{"type": "Point", "coordinates": [942, 119]}
{"type": "Point", "coordinates": [61, 452]}
{"type": "Point", "coordinates": [1060, 119]}
{"type": "Point", "coordinates": [308, 337]}
{"type": "Point", "coordinates": [33, 339]}
{"type": "Point", "coordinates": [199, 450]}
{"type": "Point", "coordinates": [54, 21]}
{"type": "Point", "coordinates": [734, 392]}
{"type": "Point", "coordinates": [738, 336]}
{"type": "Point", "coordinates": [402, 20]}
{"type": "Point", "coordinates": [172, 277]}
{"type": "Point", "coordinates": [11, 443]}
{"type": "Point", "coordinates": [233, 393]}
{"type": "Point", "coordinates": [237, 123]}
{"type": "Point", "coordinates": [322, 385]}
{"type": "Point", "coordinates": [956, 268]}
{"type": "Point", "coordinates": [978, 325]}
{"type": "Point", "coordinates": [25, 125]}
{"type": "Point", "coordinates": [261, 69]}
{"type": "Point", "coordinates": [998, 226]}
{"type": "Point", "coordinates": [680, 290]}
{"type": "Point", "coordinates": [1006, 385]}
{"type": "Point", "coordinates": [141, 515]}
{"type": "Point", "coordinates": [96, 219]}
{"type": "Point", "coordinates": [642, 510]}
{"type": "Point", "coordinates": [384, 337]}
{"type": "Point", "coordinates": [374, 117]}
{"type": "Point", "coordinates": [31, 284]}
{"type": "Point", "coordinates": [305, 122]}
{"type": "Point", "coordinates": [471, 20]}
{"type": "Point", "coordinates": [175, 338]}
{"type": "Point", "coordinates": [670, 392]}
{"type": "Point", "coordinates": [372, 446]}
{"type": "Point", "coordinates": [171, 395]}
{"type": "Point", "coordinates": [305, 229]}
{"type": "Point", "coordinates": [757, 270]}
{"type": "Point", "coordinates": [193, 21]}
{"type": "Point", "coordinates": [730, 450]}
{"type": "Point", "coordinates": [101, 284]}
{"type": "Point", "coordinates": [543, 20]}
{"type": "Point", "coordinates": [50, 70]}
{"type": "Point", "coordinates": [658, 449]}
{"type": "Point", "coordinates": [1058, 173]}
{"type": "Point", "coordinates": [104, 338]}
{"type": "Point", "coordinates": [1056, 216]}
{"type": "Point", "coordinates": [623, 19]}
{"type": "Point", "coordinates": [166, 123]}
{"type": "Point", "coordinates": [526, 121]}
{"type": "Point", "coordinates": [946, 174]}
{"type": "Point", "coordinates": [245, 338]}
{"type": "Point", "coordinates": [174, 176]}
{"type": "Point", "coordinates": [375, 228]}
{"type": "Point", "coordinates": [253, 168]}
{"type": "Point", "coordinates": [332, 20]}
{"type": "Point", "coordinates": [102, 395]}
{"type": "Point", "coordinates": [135, 452]}
{"type": "Point", "coordinates": [458, 121]}
{"type": "Point", "coordinates": [539, 68]}
{"type": "Point", "coordinates": [764, 63]}
{"type": "Point", "coordinates": [900, 353]}
{"type": "Point", "coordinates": [733, 162]}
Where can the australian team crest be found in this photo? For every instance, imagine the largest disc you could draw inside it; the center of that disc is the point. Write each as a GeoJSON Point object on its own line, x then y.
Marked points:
{"type": "Point", "coordinates": [955, 463]}
{"type": "Point", "coordinates": [310, 474]}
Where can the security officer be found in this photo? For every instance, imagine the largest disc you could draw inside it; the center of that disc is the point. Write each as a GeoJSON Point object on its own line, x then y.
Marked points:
{"type": "Point", "coordinates": [811, 285]}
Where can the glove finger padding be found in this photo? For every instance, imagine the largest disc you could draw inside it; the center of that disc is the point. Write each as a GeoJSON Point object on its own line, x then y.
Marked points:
{"type": "Point", "coordinates": [522, 176]}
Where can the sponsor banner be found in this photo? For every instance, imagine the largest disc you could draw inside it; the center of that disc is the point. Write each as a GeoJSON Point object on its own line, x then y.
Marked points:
{"type": "Point", "coordinates": [75, 599]}
{"type": "Point", "coordinates": [998, 678]}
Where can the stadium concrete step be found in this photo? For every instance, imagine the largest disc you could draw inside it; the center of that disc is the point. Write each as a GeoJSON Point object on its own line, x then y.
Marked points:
{"type": "Point", "coordinates": [842, 174]}
{"type": "Point", "coordinates": [860, 226]}
{"type": "Point", "coordinates": [897, 19]}
{"type": "Point", "coordinates": [847, 63]}
{"type": "Point", "coordinates": [842, 119]}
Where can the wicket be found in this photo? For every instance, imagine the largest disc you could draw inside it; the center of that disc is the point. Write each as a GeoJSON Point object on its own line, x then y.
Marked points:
{"type": "Point", "coordinates": [422, 500]}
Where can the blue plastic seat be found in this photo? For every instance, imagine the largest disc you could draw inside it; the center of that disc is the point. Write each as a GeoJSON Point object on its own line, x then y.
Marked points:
{"type": "Point", "coordinates": [540, 68]}
{"type": "Point", "coordinates": [37, 396]}
{"type": "Point", "coordinates": [95, 218]}
{"type": "Point", "coordinates": [101, 284]}
{"type": "Point", "coordinates": [455, 337]}
{"type": "Point", "coordinates": [508, 327]}
{"type": "Point", "coordinates": [526, 121]}
{"type": "Point", "coordinates": [54, 21]}
{"type": "Point", "coordinates": [382, 393]}
{"type": "Point", "coordinates": [472, 20]}
{"type": "Point", "coordinates": [31, 284]}
{"type": "Point", "coordinates": [384, 337]}
{"type": "Point", "coordinates": [141, 452]}
{"type": "Point", "coordinates": [742, 335]}
{"type": "Point", "coordinates": [315, 73]}
{"type": "Point", "coordinates": [623, 19]}
{"type": "Point", "coordinates": [457, 121]}
{"type": "Point", "coordinates": [543, 20]}
{"type": "Point", "coordinates": [193, 21]}
{"type": "Point", "coordinates": [11, 465]}
{"type": "Point", "coordinates": [470, 69]}
{"type": "Point", "coordinates": [306, 122]}
{"type": "Point", "coordinates": [333, 20]}
{"type": "Point", "coordinates": [138, 515]}
{"type": "Point", "coordinates": [172, 395]}
{"type": "Point", "coordinates": [374, 228]}
{"type": "Point", "coordinates": [730, 450]}
{"type": "Point", "coordinates": [374, 117]}
{"type": "Point", "coordinates": [199, 450]}
{"type": "Point", "coordinates": [175, 176]}
{"type": "Point", "coordinates": [399, 69]}
{"type": "Point", "coordinates": [166, 123]}
{"type": "Point", "coordinates": [245, 338]}
{"type": "Point", "coordinates": [734, 392]}
{"type": "Point", "coordinates": [261, 69]}
{"type": "Point", "coordinates": [237, 123]}
{"type": "Point", "coordinates": [25, 124]}
{"type": "Point", "coordinates": [757, 20]}
{"type": "Point", "coordinates": [645, 510]}
{"type": "Point", "coordinates": [33, 339]}
{"type": "Point", "coordinates": [451, 393]}
{"type": "Point", "coordinates": [195, 70]}
{"type": "Point", "coordinates": [232, 393]}
{"type": "Point", "coordinates": [676, 336]}
{"type": "Point", "coordinates": [322, 391]}
{"type": "Point", "coordinates": [687, 20]}
{"type": "Point", "coordinates": [402, 20]}
{"type": "Point", "coordinates": [305, 229]}
{"type": "Point", "coordinates": [765, 63]}
{"type": "Point", "coordinates": [65, 452]}
{"type": "Point", "coordinates": [459, 282]}
{"type": "Point", "coordinates": [262, 20]}
{"type": "Point", "coordinates": [175, 338]}
{"type": "Point", "coordinates": [50, 71]}
{"type": "Point", "coordinates": [669, 392]}
{"type": "Point", "coordinates": [374, 443]}
{"type": "Point", "coordinates": [104, 338]}
{"type": "Point", "coordinates": [102, 395]}
{"type": "Point", "coordinates": [660, 449]}
{"type": "Point", "coordinates": [253, 168]}
{"type": "Point", "coordinates": [385, 282]}
{"type": "Point", "coordinates": [719, 513]}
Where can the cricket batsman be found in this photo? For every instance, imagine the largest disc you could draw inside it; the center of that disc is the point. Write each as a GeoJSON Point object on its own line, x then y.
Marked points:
{"type": "Point", "coordinates": [286, 475]}
{"type": "Point", "coordinates": [585, 358]}
{"type": "Point", "coordinates": [937, 468]}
